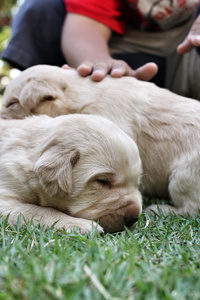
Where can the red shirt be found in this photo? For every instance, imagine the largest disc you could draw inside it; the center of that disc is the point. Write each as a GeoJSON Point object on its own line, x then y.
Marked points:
{"type": "Point", "coordinates": [108, 12]}
{"type": "Point", "coordinates": [145, 15]}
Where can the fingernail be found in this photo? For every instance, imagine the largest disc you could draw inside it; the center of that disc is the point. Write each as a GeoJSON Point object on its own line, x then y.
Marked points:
{"type": "Point", "coordinates": [117, 71]}
{"type": "Point", "coordinates": [195, 37]}
{"type": "Point", "coordinates": [83, 66]}
{"type": "Point", "coordinates": [100, 72]}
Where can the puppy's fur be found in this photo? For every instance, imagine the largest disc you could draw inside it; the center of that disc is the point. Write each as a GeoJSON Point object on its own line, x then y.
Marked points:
{"type": "Point", "coordinates": [165, 126]}
{"type": "Point", "coordinates": [70, 169]}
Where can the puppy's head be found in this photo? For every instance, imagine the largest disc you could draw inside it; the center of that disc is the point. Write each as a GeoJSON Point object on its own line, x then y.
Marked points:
{"type": "Point", "coordinates": [91, 169]}
{"type": "Point", "coordinates": [37, 90]}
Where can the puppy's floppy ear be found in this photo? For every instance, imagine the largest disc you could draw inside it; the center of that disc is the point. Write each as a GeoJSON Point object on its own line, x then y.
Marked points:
{"type": "Point", "coordinates": [34, 92]}
{"type": "Point", "coordinates": [54, 170]}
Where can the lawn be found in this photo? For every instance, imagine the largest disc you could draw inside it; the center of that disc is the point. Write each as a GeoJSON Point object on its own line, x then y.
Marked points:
{"type": "Point", "coordinates": [158, 259]}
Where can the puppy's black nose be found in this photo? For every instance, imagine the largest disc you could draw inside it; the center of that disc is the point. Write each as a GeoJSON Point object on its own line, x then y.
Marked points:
{"type": "Point", "coordinates": [130, 220]}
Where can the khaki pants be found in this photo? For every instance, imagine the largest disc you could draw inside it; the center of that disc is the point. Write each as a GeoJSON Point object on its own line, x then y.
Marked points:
{"type": "Point", "coordinates": [183, 74]}
{"type": "Point", "coordinates": [178, 73]}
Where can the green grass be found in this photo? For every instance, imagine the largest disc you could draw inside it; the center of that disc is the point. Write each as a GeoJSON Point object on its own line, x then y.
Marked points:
{"type": "Point", "coordinates": [159, 259]}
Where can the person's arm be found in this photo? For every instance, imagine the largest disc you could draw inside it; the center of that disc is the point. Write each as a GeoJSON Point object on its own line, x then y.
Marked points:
{"type": "Point", "coordinates": [192, 40]}
{"type": "Point", "coordinates": [85, 46]}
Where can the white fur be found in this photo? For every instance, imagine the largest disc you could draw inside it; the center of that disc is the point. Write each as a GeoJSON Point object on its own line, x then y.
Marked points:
{"type": "Point", "coordinates": [165, 126]}
{"type": "Point", "coordinates": [51, 170]}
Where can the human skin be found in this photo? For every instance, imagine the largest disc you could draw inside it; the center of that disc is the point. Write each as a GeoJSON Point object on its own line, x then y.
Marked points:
{"type": "Point", "coordinates": [192, 39]}
{"type": "Point", "coordinates": [85, 46]}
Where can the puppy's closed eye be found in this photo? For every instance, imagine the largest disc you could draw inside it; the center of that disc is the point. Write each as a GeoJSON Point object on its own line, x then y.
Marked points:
{"type": "Point", "coordinates": [103, 182]}
{"type": "Point", "coordinates": [49, 97]}
{"type": "Point", "coordinates": [12, 102]}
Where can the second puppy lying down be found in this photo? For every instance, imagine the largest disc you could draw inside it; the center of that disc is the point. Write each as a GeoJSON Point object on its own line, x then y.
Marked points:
{"type": "Point", "coordinates": [70, 169]}
{"type": "Point", "coordinates": [165, 126]}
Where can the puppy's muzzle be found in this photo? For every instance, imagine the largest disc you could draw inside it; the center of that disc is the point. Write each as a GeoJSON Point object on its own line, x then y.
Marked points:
{"type": "Point", "coordinates": [130, 220]}
{"type": "Point", "coordinates": [124, 216]}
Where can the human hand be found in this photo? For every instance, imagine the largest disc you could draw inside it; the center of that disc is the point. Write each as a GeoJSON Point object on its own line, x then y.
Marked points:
{"type": "Point", "coordinates": [192, 40]}
{"type": "Point", "coordinates": [116, 68]}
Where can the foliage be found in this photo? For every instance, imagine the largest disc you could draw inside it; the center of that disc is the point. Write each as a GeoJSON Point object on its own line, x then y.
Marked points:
{"type": "Point", "coordinates": [7, 8]}
{"type": "Point", "coordinates": [4, 36]}
{"type": "Point", "coordinates": [159, 259]}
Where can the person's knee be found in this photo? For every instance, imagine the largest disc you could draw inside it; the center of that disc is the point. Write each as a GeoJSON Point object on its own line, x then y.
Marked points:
{"type": "Point", "coordinates": [40, 8]}
{"type": "Point", "coordinates": [40, 5]}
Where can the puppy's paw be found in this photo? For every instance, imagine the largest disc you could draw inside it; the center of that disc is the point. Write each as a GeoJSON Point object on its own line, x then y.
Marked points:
{"type": "Point", "coordinates": [164, 208]}
{"type": "Point", "coordinates": [83, 226]}
{"type": "Point", "coordinates": [151, 209]}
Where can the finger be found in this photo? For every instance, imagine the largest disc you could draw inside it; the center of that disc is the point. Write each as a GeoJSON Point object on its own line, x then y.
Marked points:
{"type": "Point", "coordinates": [119, 69]}
{"type": "Point", "coordinates": [195, 40]}
{"type": "Point", "coordinates": [66, 67]}
{"type": "Point", "coordinates": [85, 69]}
{"type": "Point", "coordinates": [185, 47]}
{"type": "Point", "coordinates": [146, 72]}
{"type": "Point", "coordinates": [100, 70]}
{"type": "Point", "coordinates": [192, 40]}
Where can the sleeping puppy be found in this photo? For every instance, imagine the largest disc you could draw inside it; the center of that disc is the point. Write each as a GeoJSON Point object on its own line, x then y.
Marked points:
{"type": "Point", "coordinates": [165, 126]}
{"type": "Point", "coordinates": [70, 169]}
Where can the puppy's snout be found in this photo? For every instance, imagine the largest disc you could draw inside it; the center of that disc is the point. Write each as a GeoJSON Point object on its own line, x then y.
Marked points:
{"type": "Point", "coordinates": [130, 220]}
{"type": "Point", "coordinates": [126, 215]}
{"type": "Point", "coordinates": [131, 213]}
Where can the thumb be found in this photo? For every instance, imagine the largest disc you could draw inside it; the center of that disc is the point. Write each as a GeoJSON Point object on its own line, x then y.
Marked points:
{"type": "Point", "coordinates": [146, 72]}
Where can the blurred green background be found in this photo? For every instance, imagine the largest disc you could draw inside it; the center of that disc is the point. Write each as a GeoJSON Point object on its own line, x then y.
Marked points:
{"type": "Point", "coordinates": [8, 8]}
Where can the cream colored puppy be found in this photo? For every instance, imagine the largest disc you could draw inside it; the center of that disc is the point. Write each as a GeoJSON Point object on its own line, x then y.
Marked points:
{"type": "Point", "coordinates": [70, 169]}
{"type": "Point", "coordinates": [165, 126]}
